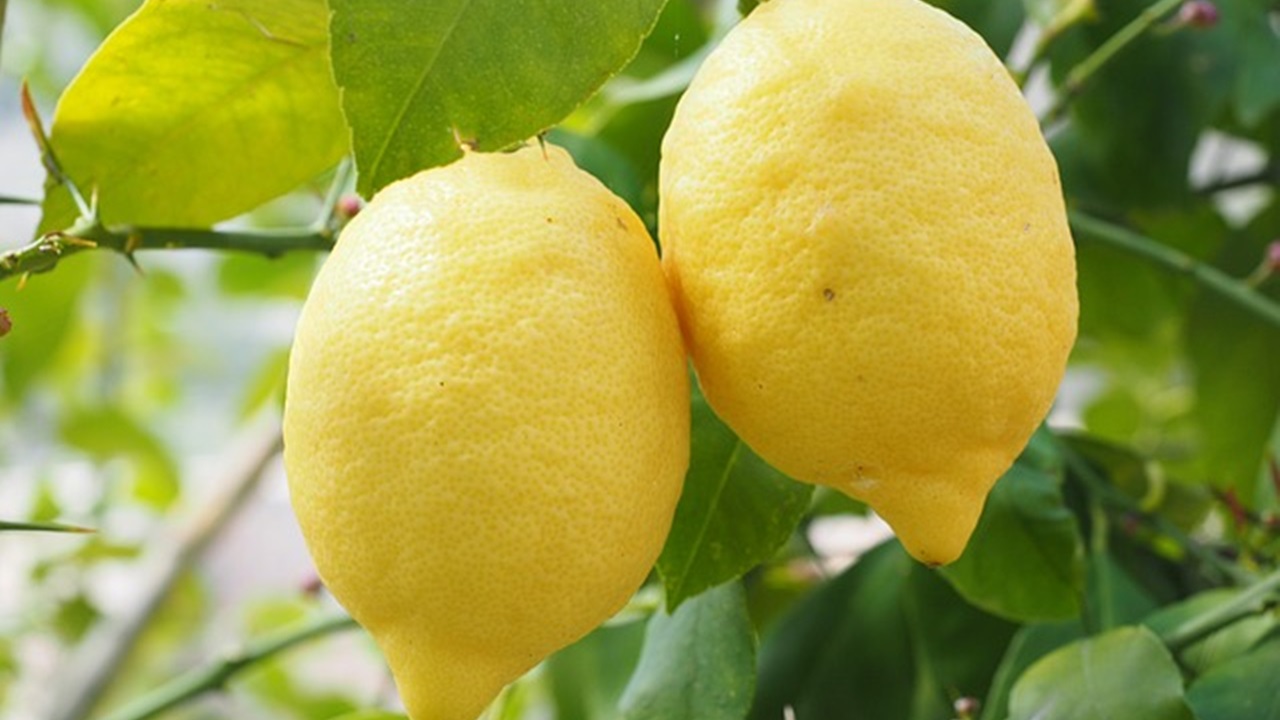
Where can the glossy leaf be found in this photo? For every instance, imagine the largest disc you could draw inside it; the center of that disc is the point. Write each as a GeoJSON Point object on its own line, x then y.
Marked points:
{"type": "Point", "coordinates": [587, 678]}
{"type": "Point", "coordinates": [698, 663]}
{"type": "Point", "coordinates": [192, 112]}
{"type": "Point", "coordinates": [887, 638]}
{"type": "Point", "coordinates": [1241, 689]}
{"type": "Point", "coordinates": [1125, 673]}
{"type": "Point", "coordinates": [735, 511]}
{"type": "Point", "coordinates": [1026, 532]}
{"type": "Point", "coordinates": [420, 79]}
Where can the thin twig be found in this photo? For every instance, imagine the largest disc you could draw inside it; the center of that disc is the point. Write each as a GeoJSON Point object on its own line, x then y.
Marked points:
{"type": "Point", "coordinates": [102, 657]}
{"type": "Point", "coordinates": [1081, 74]}
{"type": "Point", "coordinates": [215, 676]}
{"type": "Point", "coordinates": [1268, 175]}
{"type": "Point", "coordinates": [1210, 278]}
{"type": "Point", "coordinates": [11, 200]}
{"type": "Point", "coordinates": [44, 527]}
{"type": "Point", "coordinates": [1108, 494]}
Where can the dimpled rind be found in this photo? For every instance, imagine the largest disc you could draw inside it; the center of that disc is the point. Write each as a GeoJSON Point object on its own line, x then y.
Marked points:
{"type": "Point", "coordinates": [865, 237]}
{"type": "Point", "coordinates": [487, 420]}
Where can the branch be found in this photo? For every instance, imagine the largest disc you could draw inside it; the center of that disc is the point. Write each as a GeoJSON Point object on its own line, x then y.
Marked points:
{"type": "Point", "coordinates": [1080, 75]}
{"type": "Point", "coordinates": [1175, 261]}
{"type": "Point", "coordinates": [1268, 174]}
{"type": "Point", "coordinates": [102, 657]}
{"type": "Point", "coordinates": [215, 676]}
{"type": "Point", "coordinates": [1108, 494]}
{"type": "Point", "coordinates": [46, 252]}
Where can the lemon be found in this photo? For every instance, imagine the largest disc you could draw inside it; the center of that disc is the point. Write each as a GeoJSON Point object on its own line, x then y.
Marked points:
{"type": "Point", "coordinates": [866, 240]}
{"type": "Point", "coordinates": [487, 420]}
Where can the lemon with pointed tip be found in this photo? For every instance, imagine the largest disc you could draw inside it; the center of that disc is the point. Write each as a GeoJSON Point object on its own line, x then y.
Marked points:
{"type": "Point", "coordinates": [487, 420]}
{"type": "Point", "coordinates": [865, 236]}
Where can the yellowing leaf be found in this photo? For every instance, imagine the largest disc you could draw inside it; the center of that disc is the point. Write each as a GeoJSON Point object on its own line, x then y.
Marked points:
{"type": "Point", "coordinates": [195, 111]}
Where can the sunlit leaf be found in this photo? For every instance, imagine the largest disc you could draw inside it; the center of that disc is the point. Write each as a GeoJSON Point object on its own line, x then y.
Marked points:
{"type": "Point", "coordinates": [420, 79]}
{"type": "Point", "coordinates": [192, 112]}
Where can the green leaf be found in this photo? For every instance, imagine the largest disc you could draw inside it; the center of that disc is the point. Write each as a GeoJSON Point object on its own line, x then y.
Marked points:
{"type": "Point", "coordinates": [267, 383]}
{"type": "Point", "coordinates": [1053, 16]}
{"type": "Point", "coordinates": [735, 511]}
{"type": "Point", "coordinates": [1241, 689]}
{"type": "Point", "coordinates": [43, 312]}
{"type": "Point", "coordinates": [888, 638]}
{"type": "Point", "coordinates": [1125, 673]}
{"type": "Point", "coordinates": [1249, 33]}
{"type": "Point", "coordinates": [271, 684]}
{"type": "Point", "coordinates": [107, 433]}
{"type": "Point", "coordinates": [1223, 645]}
{"type": "Point", "coordinates": [1237, 378]}
{"type": "Point", "coordinates": [288, 276]}
{"type": "Point", "coordinates": [371, 715]}
{"type": "Point", "coordinates": [698, 663]}
{"type": "Point", "coordinates": [586, 679]}
{"type": "Point", "coordinates": [1026, 532]}
{"type": "Point", "coordinates": [419, 78]}
{"type": "Point", "coordinates": [1029, 644]}
{"type": "Point", "coordinates": [192, 112]}
{"type": "Point", "coordinates": [74, 617]}
{"type": "Point", "coordinates": [997, 21]}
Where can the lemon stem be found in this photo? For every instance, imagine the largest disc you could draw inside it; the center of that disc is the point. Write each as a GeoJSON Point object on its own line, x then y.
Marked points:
{"type": "Point", "coordinates": [43, 527]}
{"type": "Point", "coordinates": [1080, 75]}
{"type": "Point", "coordinates": [1210, 278]}
{"type": "Point", "coordinates": [215, 676]}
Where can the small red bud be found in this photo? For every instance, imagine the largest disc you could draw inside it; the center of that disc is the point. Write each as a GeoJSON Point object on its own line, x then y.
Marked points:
{"type": "Point", "coordinates": [1198, 14]}
{"type": "Point", "coordinates": [966, 707]}
{"type": "Point", "coordinates": [312, 586]}
{"type": "Point", "coordinates": [5, 323]}
{"type": "Point", "coordinates": [349, 206]}
{"type": "Point", "coordinates": [1273, 256]}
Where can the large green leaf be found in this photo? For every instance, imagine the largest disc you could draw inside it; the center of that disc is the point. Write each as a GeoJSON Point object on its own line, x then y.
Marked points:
{"type": "Point", "coordinates": [1242, 689]}
{"type": "Point", "coordinates": [1125, 673]}
{"type": "Point", "coordinates": [735, 511]}
{"type": "Point", "coordinates": [888, 638]}
{"type": "Point", "coordinates": [587, 678]}
{"type": "Point", "coordinates": [1237, 375]}
{"type": "Point", "coordinates": [419, 79]}
{"type": "Point", "coordinates": [192, 112]}
{"type": "Point", "coordinates": [1026, 532]}
{"type": "Point", "coordinates": [42, 312]}
{"type": "Point", "coordinates": [1029, 644]}
{"type": "Point", "coordinates": [698, 663]}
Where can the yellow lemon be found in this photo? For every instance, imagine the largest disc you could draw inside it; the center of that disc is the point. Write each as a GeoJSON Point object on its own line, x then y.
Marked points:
{"type": "Point", "coordinates": [865, 236]}
{"type": "Point", "coordinates": [487, 420]}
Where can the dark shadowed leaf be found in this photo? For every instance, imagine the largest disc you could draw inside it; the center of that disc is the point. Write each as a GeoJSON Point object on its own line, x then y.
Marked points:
{"type": "Point", "coordinates": [587, 678]}
{"type": "Point", "coordinates": [735, 511]}
{"type": "Point", "coordinates": [1026, 533]}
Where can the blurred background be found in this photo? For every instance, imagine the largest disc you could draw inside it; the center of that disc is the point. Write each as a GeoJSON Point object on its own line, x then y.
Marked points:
{"type": "Point", "coordinates": [146, 407]}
